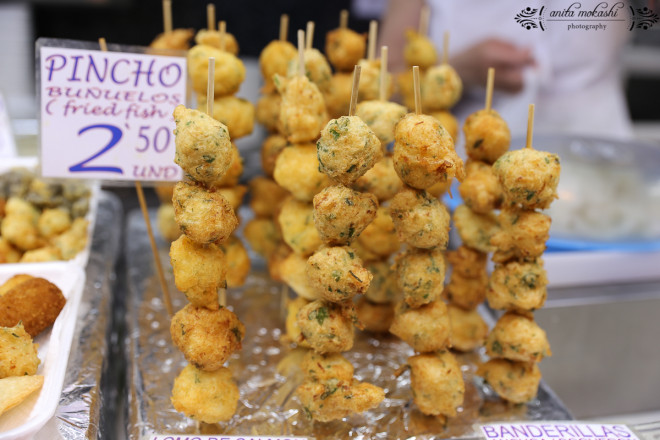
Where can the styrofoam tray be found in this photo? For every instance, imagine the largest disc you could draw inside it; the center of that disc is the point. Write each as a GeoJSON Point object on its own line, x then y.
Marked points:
{"type": "Point", "coordinates": [23, 421]}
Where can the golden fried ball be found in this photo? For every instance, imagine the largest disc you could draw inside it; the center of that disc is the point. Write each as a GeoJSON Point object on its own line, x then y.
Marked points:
{"type": "Point", "coordinates": [204, 216]}
{"type": "Point", "coordinates": [276, 259]}
{"type": "Point", "coordinates": [528, 177]}
{"type": "Point", "coordinates": [425, 328]}
{"type": "Point", "coordinates": [203, 148]}
{"type": "Point", "coordinates": [487, 136]}
{"type": "Point", "coordinates": [518, 286]}
{"type": "Point", "coordinates": [437, 383]}
{"type": "Point", "coordinates": [226, 42]}
{"type": "Point", "coordinates": [344, 48]}
{"type": "Point", "coordinates": [317, 69]}
{"type": "Point", "coordinates": [234, 196]}
{"type": "Point", "coordinates": [466, 292]}
{"type": "Point", "coordinates": [268, 111]}
{"type": "Point", "coordinates": [229, 70]}
{"type": "Point", "coordinates": [347, 149]}
{"type": "Point", "coordinates": [207, 338]}
{"type": "Point", "coordinates": [15, 206]}
{"type": "Point", "coordinates": [178, 39]}
{"type": "Point", "coordinates": [333, 399]}
{"type": "Point", "coordinates": [375, 317]}
{"type": "Point", "coordinates": [468, 329]}
{"type": "Point", "coordinates": [21, 232]}
{"type": "Point", "coordinates": [338, 96]}
{"type": "Point", "coordinates": [238, 261]}
{"type": "Point", "coordinates": [275, 58]}
{"type": "Point", "coordinates": [293, 332]}
{"type": "Point", "coordinates": [420, 220]}
{"type": "Point", "coordinates": [382, 289]}
{"type": "Point", "coordinates": [19, 354]}
{"type": "Point", "coordinates": [517, 338]}
{"type": "Point", "coordinates": [296, 221]}
{"type": "Point", "coordinates": [46, 253]}
{"type": "Point", "coordinates": [379, 237]}
{"type": "Point", "coordinates": [448, 121]}
{"type": "Point", "coordinates": [199, 271]}
{"type": "Point", "coordinates": [208, 397]}
{"type": "Point", "coordinates": [53, 222]}
{"type": "Point", "coordinates": [441, 88]}
{"type": "Point", "coordinates": [233, 174]}
{"type": "Point", "coordinates": [8, 254]}
{"type": "Point", "coordinates": [381, 117]}
{"type": "Point", "coordinates": [234, 112]}
{"type": "Point", "coordinates": [35, 302]}
{"type": "Point", "coordinates": [475, 229]}
{"type": "Point", "coordinates": [293, 271]}
{"type": "Point", "coordinates": [73, 240]}
{"type": "Point", "coordinates": [480, 190]}
{"type": "Point", "coordinates": [325, 326]}
{"type": "Point", "coordinates": [467, 262]}
{"type": "Point", "coordinates": [324, 367]}
{"type": "Point", "coordinates": [522, 235]}
{"type": "Point", "coordinates": [263, 235]}
{"type": "Point", "coordinates": [337, 274]}
{"type": "Point", "coordinates": [266, 196]}
{"type": "Point", "coordinates": [381, 180]}
{"type": "Point", "coordinates": [419, 50]}
{"type": "Point", "coordinates": [167, 226]}
{"type": "Point", "coordinates": [424, 152]}
{"type": "Point", "coordinates": [341, 214]}
{"type": "Point", "coordinates": [270, 150]}
{"type": "Point", "coordinates": [420, 275]}
{"type": "Point", "coordinates": [297, 171]}
{"type": "Point", "coordinates": [302, 113]}
{"type": "Point", "coordinates": [516, 382]}
{"type": "Point", "coordinates": [369, 87]}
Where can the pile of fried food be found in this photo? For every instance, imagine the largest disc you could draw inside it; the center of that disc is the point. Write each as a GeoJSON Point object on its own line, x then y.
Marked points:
{"type": "Point", "coordinates": [28, 306]}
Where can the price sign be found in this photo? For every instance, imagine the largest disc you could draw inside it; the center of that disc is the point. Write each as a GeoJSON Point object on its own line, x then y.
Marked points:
{"type": "Point", "coordinates": [108, 115]}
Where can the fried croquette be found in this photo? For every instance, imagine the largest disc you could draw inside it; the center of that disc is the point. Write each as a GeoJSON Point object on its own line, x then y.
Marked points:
{"type": "Point", "coordinates": [21, 232]}
{"type": "Point", "coordinates": [341, 214]}
{"type": "Point", "coordinates": [420, 220]}
{"type": "Point", "coordinates": [199, 271]}
{"type": "Point", "coordinates": [344, 48]}
{"type": "Point", "coordinates": [293, 332]}
{"type": "Point", "coordinates": [323, 367]}
{"type": "Point", "coordinates": [72, 241]}
{"type": "Point", "coordinates": [167, 226]}
{"type": "Point", "coordinates": [207, 338]}
{"type": "Point", "coordinates": [480, 190]}
{"type": "Point", "coordinates": [19, 354]}
{"type": "Point", "coordinates": [468, 329]}
{"type": "Point", "coordinates": [53, 222]}
{"type": "Point", "coordinates": [517, 338]}
{"type": "Point", "coordinates": [369, 87]}
{"type": "Point", "coordinates": [516, 382]}
{"type": "Point", "coordinates": [13, 282]}
{"type": "Point", "coordinates": [16, 206]}
{"type": "Point", "coordinates": [420, 275]}
{"type": "Point", "coordinates": [8, 253]}
{"type": "Point", "coordinates": [302, 112]}
{"type": "Point", "coordinates": [425, 329]}
{"type": "Point", "coordinates": [226, 41]}
{"type": "Point", "coordinates": [382, 289]}
{"type": "Point", "coordinates": [381, 180]}
{"type": "Point", "coordinates": [529, 177]}
{"type": "Point", "coordinates": [36, 302]}
{"type": "Point", "coordinates": [275, 58]}
{"type": "Point", "coordinates": [234, 196]}
{"type": "Point", "coordinates": [43, 254]}
{"type": "Point", "coordinates": [317, 69]}
{"type": "Point", "coordinates": [522, 235]}
{"type": "Point", "coordinates": [237, 114]}
{"type": "Point", "coordinates": [475, 229]}
{"type": "Point", "coordinates": [487, 136]}
{"type": "Point", "coordinates": [375, 317]}
{"type": "Point", "coordinates": [467, 262]}
{"type": "Point", "coordinates": [178, 39]}
{"type": "Point", "coordinates": [419, 50]}
{"type": "Point", "coordinates": [437, 383]}
{"type": "Point", "coordinates": [325, 326]}
{"type": "Point", "coordinates": [204, 216]}
{"type": "Point", "coordinates": [334, 399]}
{"type": "Point", "coordinates": [270, 151]}
{"type": "Point", "coordinates": [338, 97]}
{"type": "Point", "coordinates": [379, 237]}
{"type": "Point", "coordinates": [297, 171]}
{"type": "Point", "coordinates": [233, 173]}
{"type": "Point", "coordinates": [266, 196]}
{"type": "Point", "coordinates": [518, 286]}
{"type": "Point", "coordinates": [262, 235]}
{"type": "Point", "coordinates": [424, 152]}
{"type": "Point", "coordinates": [228, 75]}
{"type": "Point", "coordinates": [296, 220]}
{"type": "Point", "coordinates": [293, 271]}
{"type": "Point", "coordinates": [238, 261]}
{"type": "Point", "coordinates": [203, 148]}
{"type": "Point", "coordinates": [448, 122]}
{"type": "Point", "coordinates": [381, 117]}
{"type": "Point", "coordinates": [466, 292]}
{"type": "Point", "coordinates": [441, 88]}
{"type": "Point", "coordinates": [268, 111]}
{"type": "Point", "coordinates": [337, 274]}
{"type": "Point", "coordinates": [206, 396]}
{"type": "Point", "coordinates": [347, 149]}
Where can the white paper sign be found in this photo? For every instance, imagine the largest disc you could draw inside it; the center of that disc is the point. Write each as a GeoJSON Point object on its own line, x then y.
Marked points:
{"type": "Point", "coordinates": [555, 431]}
{"type": "Point", "coordinates": [108, 115]}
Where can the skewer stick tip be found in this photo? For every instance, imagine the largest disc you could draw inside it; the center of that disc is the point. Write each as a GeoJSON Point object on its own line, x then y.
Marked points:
{"type": "Point", "coordinates": [424, 17]}
{"type": "Point", "coordinates": [373, 35]}
{"type": "Point", "coordinates": [103, 45]}
{"type": "Point", "coordinates": [210, 89]}
{"type": "Point", "coordinates": [382, 92]}
{"type": "Point", "coordinates": [489, 88]}
{"type": "Point", "coordinates": [445, 48]}
{"type": "Point", "coordinates": [301, 52]}
{"type": "Point", "coordinates": [284, 27]}
{"type": "Point", "coordinates": [222, 26]}
{"type": "Point", "coordinates": [167, 16]}
{"type": "Point", "coordinates": [354, 90]}
{"type": "Point", "coordinates": [309, 35]}
{"type": "Point", "coordinates": [530, 126]}
{"type": "Point", "coordinates": [210, 16]}
{"type": "Point", "coordinates": [343, 19]}
{"type": "Point", "coordinates": [416, 87]}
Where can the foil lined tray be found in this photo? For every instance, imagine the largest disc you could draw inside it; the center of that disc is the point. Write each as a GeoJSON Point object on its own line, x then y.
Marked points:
{"type": "Point", "coordinates": [267, 369]}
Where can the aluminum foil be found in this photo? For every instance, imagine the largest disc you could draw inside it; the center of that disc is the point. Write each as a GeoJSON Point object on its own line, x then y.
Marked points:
{"type": "Point", "coordinates": [267, 369]}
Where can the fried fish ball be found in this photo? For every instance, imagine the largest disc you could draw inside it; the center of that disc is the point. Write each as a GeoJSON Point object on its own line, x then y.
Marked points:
{"type": "Point", "coordinates": [341, 214]}
{"type": "Point", "coordinates": [199, 271]}
{"type": "Point", "coordinates": [344, 48]}
{"type": "Point", "coordinates": [522, 235]}
{"type": "Point", "coordinates": [16, 206]}
{"type": "Point", "coordinates": [228, 75]}
{"type": "Point", "coordinates": [237, 114]}
{"type": "Point", "coordinates": [487, 136]}
{"type": "Point", "coordinates": [480, 190]}
{"type": "Point", "coordinates": [274, 59]}
{"type": "Point", "coordinates": [293, 332]}
{"type": "Point", "coordinates": [419, 50]}
{"type": "Point", "coordinates": [234, 196]}
{"type": "Point", "coordinates": [167, 226]}
{"type": "Point", "coordinates": [178, 39]}
{"type": "Point", "coordinates": [263, 235]}
{"type": "Point", "coordinates": [205, 396]}
{"type": "Point", "coordinates": [420, 275]}
{"type": "Point", "coordinates": [21, 232]}
{"type": "Point", "coordinates": [529, 177]}
{"type": "Point", "coordinates": [297, 170]}
{"type": "Point", "coordinates": [467, 262]}
{"type": "Point", "coordinates": [233, 173]}
{"type": "Point", "coordinates": [347, 149]}
{"type": "Point", "coordinates": [53, 222]}
{"type": "Point", "coordinates": [381, 117]}
{"type": "Point", "coordinates": [317, 69]}
{"type": "Point", "coordinates": [466, 292]}
{"type": "Point", "coordinates": [268, 111]}
{"type": "Point", "coordinates": [46, 253]}
{"type": "Point", "coordinates": [517, 338]}
{"type": "Point", "coordinates": [337, 274]}
{"type": "Point", "coordinates": [325, 327]}
{"type": "Point", "coordinates": [515, 382]}
{"type": "Point", "coordinates": [333, 399]}
{"type": "Point", "coordinates": [215, 39]}
{"type": "Point", "coordinates": [204, 216]}
{"type": "Point", "coordinates": [207, 338]}
{"type": "Point", "coordinates": [238, 261]}
{"type": "Point", "coordinates": [203, 148]}
{"type": "Point", "coordinates": [266, 196]}
{"type": "Point", "coordinates": [338, 97]}
{"type": "Point", "coordinates": [425, 329]}
{"type": "Point", "coordinates": [420, 221]}
{"type": "Point", "coordinates": [302, 113]}
{"type": "Point", "coordinates": [270, 151]}
{"type": "Point", "coordinates": [382, 289]}
{"type": "Point", "coordinates": [8, 253]}
{"type": "Point", "coordinates": [379, 237]}
{"type": "Point", "coordinates": [468, 329]}
{"type": "Point", "coordinates": [441, 87]}
{"type": "Point", "coordinates": [73, 240]}
{"type": "Point", "coordinates": [475, 229]}
{"type": "Point", "coordinates": [369, 87]}
{"type": "Point", "coordinates": [36, 302]}
{"type": "Point", "coordinates": [381, 180]}
{"type": "Point", "coordinates": [296, 221]}
{"type": "Point", "coordinates": [424, 152]}
{"type": "Point", "coordinates": [375, 317]}
{"type": "Point", "coordinates": [448, 121]}
{"type": "Point", "coordinates": [518, 286]}
{"type": "Point", "coordinates": [324, 367]}
{"type": "Point", "coordinates": [437, 383]}
{"type": "Point", "coordinates": [294, 273]}
{"type": "Point", "coordinates": [19, 354]}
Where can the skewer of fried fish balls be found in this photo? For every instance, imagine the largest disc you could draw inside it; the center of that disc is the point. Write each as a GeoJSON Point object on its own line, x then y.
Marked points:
{"type": "Point", "coordinates": [528, 179]}
{"type": "Point", "coordinates": [423, 156]}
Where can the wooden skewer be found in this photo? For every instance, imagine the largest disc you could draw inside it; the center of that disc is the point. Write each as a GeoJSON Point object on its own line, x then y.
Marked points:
{"type": "Point", "coordinates": [424, 17]}
{"type": "Point", "coordinates": [284, 300]}
{"type": "Point", "coordinates": [343, 19]}
{"type": "Point", "coordinates": [373, 33]}
{"type": "Point", "coordinates": [530, 126]}
{"type": "Point", "coordinates": [210, 16]}
{"type": "Point", "coordinates": [489, 88]}
{"type": "Point", "coordinates": [222, 299]}
{"type": "Point", "coordinates": [301, 52]}
{"type": "Point", "coordinates": [210, 87]}
{"type": "Point", "coordinates": [382, 92]}
{"type": "Point", "coordinates": [103, 44]}
{"type": "Point", "coordinates": [284, 27]}
{"type": "Point", "coordinates": [354, 90]}
{"type": "Point", "coordinates": [309, 35]}
{"type": "Point", "coordinates": [445, 48]}
{"type": "Point", "coordinates": [418, 96]}
{"type": "Point", "coordinates": [223, 34]}
{"type": "Point", "coordinates": [167, 16]}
